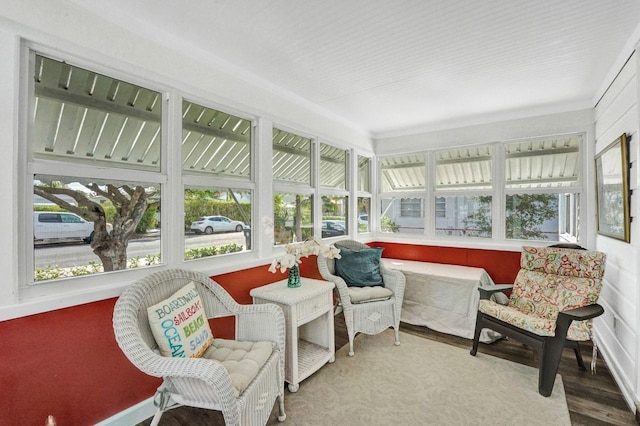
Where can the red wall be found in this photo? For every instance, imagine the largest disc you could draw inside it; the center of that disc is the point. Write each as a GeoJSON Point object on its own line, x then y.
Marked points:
{"type": "Point", "coordinates": [502, 266]}
{"type": "Point", "coordinates": [67, 363]}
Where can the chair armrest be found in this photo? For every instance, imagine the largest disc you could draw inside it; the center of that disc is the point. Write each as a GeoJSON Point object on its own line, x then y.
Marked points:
{"type": "Point", "coordinates": [583, 313]}
{"type": "Point", "coordinates": [209, 371]}
{"type": "Point", "coordinates": [394, 280]}
{"type": "Point", "coordinates": [340, 284]}
{"type": "Point", "coordinates": [565, 318]}
{"type": "Point", "coordinates": [486, 292]}
{"type": "Point", "coordinates": [262, 321]}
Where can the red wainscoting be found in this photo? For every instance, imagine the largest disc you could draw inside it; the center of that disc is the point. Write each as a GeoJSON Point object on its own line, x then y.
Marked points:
{"type": "Point", "coordinates": [67, 363]}
{"type": "Point", "coordinates": [502, 266]}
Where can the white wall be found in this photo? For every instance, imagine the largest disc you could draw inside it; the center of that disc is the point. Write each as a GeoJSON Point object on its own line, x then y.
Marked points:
{"type": "Point", "coordinates": [617, 330]}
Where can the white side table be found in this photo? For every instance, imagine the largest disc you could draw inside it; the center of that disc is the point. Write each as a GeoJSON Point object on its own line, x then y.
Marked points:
{"type": "Point", "coordinates": [308, 312]}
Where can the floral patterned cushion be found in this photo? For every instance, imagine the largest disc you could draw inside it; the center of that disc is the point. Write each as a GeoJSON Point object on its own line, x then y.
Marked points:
{"type": "Point", "coordinates": [566, 262]}
{"type": "Point", "coordinates": [579, 330]}
{"type": "Point", "coordinates": [551, 280]}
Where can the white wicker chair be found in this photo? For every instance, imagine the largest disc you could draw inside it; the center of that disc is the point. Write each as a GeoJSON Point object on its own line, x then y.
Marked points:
{"type": "Point", "coordinates": [368, 317]}
{"type": "Point", "coordinates": [202, 382]}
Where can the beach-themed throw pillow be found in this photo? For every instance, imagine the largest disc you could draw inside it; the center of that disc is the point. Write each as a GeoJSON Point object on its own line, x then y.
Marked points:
{"type": "Point", "coordinates": [360, 268]}
{"type": "Point", "coordinates": [179, 324]}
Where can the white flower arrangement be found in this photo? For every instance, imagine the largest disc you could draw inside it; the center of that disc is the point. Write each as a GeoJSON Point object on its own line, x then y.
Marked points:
{"type": "Point", "coordinates": [295, 252]}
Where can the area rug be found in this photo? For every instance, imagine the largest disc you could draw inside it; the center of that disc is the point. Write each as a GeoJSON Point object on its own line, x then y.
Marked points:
{"type": "Point", "coordinates": [422, 382]}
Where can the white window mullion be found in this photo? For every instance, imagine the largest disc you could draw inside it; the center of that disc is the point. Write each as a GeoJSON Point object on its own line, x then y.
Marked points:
{"type": "Point", "coordinates": [430, 202]}
{"type": "Point", "coordinates": [263, 178]}
{"type": "Point", "coordinates": [173, 192]}
{"type": "Point", "coordinates": [498, 202]}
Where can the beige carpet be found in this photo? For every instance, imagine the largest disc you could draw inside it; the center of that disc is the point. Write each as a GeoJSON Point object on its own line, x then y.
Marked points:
{"type": "Point", "coordinates": [422, 382]}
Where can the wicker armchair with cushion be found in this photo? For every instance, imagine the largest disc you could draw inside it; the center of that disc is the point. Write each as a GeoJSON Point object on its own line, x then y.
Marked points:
{"type": "Point", "coordinates": [552, 303]}
{"type": "Point", "coordinates": [369, 294]}
{"type": "Point", "coordinates": [161, 324]}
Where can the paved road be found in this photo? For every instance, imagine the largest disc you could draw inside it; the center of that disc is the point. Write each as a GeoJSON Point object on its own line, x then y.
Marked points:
{"type": "Point", "coordinates": [74, 254]}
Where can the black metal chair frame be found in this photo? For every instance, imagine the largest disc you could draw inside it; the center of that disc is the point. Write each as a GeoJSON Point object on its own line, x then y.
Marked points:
{"type": "Point", "coordinates": [549, 348]}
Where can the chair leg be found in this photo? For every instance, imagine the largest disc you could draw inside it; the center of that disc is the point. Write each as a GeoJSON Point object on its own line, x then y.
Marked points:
{"type": "Point", "coordinates": [397, 332]}
{"type": "Point", "coordinates": [351, 353]}
{"type": "Point", "coordinates": [549, 362]}
{"type": "Point", "coordinates": [476, 334]}
{"type": "Point", "coordinates": [162, 400]}
{"type": "Point", "coordinates": [156, 417]}
{"type": "Point", "coordinates": [576, 350]}
{"type": "Point", "coordinates": [282, 416]}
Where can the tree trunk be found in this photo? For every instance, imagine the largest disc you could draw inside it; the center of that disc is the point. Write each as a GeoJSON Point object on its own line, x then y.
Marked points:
{"type": "Point", "coordinates": [130, 203]}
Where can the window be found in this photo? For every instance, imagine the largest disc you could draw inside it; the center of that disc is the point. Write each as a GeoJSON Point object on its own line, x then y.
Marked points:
{"type": "Point", "coordinates": [441, 207]}
{"type": "Point", "coordinates": [291, 158]}
{"type": "Point", "coordinates": [364, 209]}
{"type": "Point", "coordinates": [410, 207]}
{"type": "Point", "coordinates": [464, 169]}
{"type": "Point", "coordinates": [402, 179]}
{"type": "Point", "coordinates": [334, 214]}
{"type": "Point", "coordinates": [217, 221]}
{"type": "Point", "coordinates": [217, 170]}
{"type": "Point", "coordinates": [215, 142]}
{"type": "Point", "coordinates": [464, 216]}
{"type": "Point", "coordinates": [292, 187]}
{"type": "Point", "coordinates": [292, 217]}
{"type": "Point", "coordinates": [364, 193]}
{"type": "Point", "coordinates": [402, 173]}
{"type": "Point", "coordinates": [94, 148]}
{"type": "Point", "coordinates": [334, 196]}
{"type": "Point", "coordinates": [333, 167]}
{"type": "Point", "coordinates": [542, 195]}
{"type": "Point", "coordinates": [463, 188]}
{"type": "Point", "coordinates": [393, 220]}
{"type": "Point", "coordinates": [364, 174]}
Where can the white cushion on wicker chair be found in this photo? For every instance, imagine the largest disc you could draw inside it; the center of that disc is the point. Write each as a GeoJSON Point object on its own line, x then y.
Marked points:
{"type": "Point", "coordinates": [369, 294]}
{"type": "Point", "coordinates": [242, 360]}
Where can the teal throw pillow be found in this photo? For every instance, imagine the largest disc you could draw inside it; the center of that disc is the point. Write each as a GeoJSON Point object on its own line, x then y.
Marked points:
{"type": "Point", "coordinates": [360, 268]}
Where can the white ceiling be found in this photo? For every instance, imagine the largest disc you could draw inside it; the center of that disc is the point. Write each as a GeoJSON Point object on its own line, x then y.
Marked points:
{"type": "Point", "coordinates": [391, 66]}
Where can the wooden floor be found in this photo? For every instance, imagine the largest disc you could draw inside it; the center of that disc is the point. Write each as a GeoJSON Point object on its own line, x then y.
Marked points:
{"type": "Point", "coordinates": [593, 399]}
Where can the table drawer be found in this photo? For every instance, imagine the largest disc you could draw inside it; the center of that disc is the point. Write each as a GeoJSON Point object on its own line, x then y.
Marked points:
{"type": "Point", "coordinates": [313, 306]}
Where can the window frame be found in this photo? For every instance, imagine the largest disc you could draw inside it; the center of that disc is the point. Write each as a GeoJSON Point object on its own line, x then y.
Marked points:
{"type": "Point", "coordinates": [170, 177]}
{"type": "Point", "coordinates": [327, 191]}
{"type": "Point", "coordinates": [30, 166]}
{"type": "Point", "coordinates": [498, 192]}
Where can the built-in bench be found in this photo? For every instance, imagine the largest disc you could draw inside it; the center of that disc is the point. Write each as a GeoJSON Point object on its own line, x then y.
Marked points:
{"type": "Point", "coordinates": [442, 282]}
{"type": "Point", "coordinates": [442, 297]}
{"type": "Point", "coordinates": [501, 265]}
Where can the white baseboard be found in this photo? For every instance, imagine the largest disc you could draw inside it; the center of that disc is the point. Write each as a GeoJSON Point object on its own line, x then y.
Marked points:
{"type": "Point", "coordinates": [618, 377]}
{"type": "Point", "coordinates": [132, 415]}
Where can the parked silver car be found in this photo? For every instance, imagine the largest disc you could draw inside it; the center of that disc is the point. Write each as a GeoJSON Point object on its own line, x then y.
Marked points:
{"type": "Point", "coordinates": [211, 224]}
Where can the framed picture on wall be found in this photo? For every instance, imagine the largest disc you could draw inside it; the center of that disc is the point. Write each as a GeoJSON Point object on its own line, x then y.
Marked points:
{"type": "Point", "coordinates": [612, 190]}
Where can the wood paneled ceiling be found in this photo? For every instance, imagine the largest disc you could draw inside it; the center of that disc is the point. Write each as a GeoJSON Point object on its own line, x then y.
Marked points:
{"type": "Point", "coordinates": [391, 66]}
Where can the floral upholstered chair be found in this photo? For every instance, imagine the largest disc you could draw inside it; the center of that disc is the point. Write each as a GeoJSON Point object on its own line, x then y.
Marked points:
{"type": "Point", "coordinates": [552, 303]}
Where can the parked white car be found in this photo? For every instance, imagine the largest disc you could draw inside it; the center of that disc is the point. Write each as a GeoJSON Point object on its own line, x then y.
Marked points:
{"type": "Point", "coordinates": [59, 226]}
{"type": "Point", "coordinates": [211, 224]}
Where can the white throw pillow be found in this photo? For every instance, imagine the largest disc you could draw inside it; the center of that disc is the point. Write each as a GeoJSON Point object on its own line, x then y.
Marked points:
{"type": "Point", "coordinates": [180, 325]}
